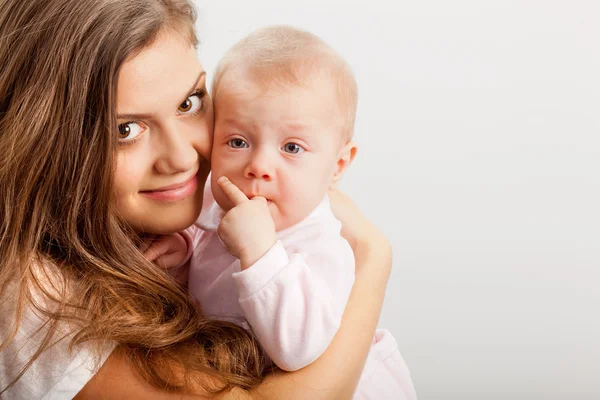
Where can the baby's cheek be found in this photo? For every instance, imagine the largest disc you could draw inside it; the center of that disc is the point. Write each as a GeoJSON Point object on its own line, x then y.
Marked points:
{"type": "Point", "coordinates": [298, 202]}
{"type": "Point", "coordinates": [290, 196]}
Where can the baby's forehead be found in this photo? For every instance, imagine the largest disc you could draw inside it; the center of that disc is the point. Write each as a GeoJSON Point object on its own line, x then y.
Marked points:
{"type": "Point", "coordinates": [257, 85]}
{"type": "Point", "coordinates": [268, 76]}
{"type": "Point", "coordinates": [302, 103]}
{"type": "Point", "coordinates": [270, 115]}
{"type": "Point", "coordinates": [313, 97]}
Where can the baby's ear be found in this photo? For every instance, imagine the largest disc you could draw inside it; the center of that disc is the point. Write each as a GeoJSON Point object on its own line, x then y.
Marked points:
{"type": "Point", "coordinates": [345, 158]}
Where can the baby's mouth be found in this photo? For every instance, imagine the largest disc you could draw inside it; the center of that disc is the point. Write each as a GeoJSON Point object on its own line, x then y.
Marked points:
{"type": "Point", "coordinates": [251, 196]}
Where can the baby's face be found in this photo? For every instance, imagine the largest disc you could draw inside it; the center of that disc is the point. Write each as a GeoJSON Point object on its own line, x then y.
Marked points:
{"type": "Point", "coordinates": [282, 144]}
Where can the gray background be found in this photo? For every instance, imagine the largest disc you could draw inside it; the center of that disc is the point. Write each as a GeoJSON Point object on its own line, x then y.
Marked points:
{"type": "Point", "coordinates": [478, 132]}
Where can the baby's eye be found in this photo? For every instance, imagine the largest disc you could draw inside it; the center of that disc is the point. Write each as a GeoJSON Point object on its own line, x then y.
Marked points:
{"type": "Point", "coordinates": [237, 144]}
{"type": "Point", "coordinates": [191, 105]}
{"type": "Point", "coordinates": [129, 131]}
{"type": "Point", "coordinates": [292, 148]}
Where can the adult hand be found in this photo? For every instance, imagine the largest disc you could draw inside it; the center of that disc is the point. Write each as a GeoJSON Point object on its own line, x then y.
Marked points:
{"type": "Point", "coordinates": [362, 235]}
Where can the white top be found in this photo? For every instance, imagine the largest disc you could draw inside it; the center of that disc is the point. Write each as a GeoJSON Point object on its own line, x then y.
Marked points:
{"type": "Point", "coordinates": [56, 374]}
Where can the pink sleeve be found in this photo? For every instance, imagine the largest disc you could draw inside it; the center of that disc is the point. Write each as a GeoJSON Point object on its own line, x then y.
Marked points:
{"type": "Point", "coordinates": [295, 302]}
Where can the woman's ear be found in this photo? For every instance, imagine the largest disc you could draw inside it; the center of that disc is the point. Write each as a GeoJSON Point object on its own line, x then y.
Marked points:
{"type": "Point", "coordinates": [345, 158]}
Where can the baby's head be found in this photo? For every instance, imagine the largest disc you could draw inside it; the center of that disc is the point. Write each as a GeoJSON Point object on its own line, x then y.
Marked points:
{"type": "Point", "coordinates": [285, 105]}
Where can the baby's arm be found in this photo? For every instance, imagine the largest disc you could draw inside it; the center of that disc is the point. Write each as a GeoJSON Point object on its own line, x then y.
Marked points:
{"type": "Point", "coordinates": [172, 252]}
{"type": "Point", "coordinates": [294, 302]}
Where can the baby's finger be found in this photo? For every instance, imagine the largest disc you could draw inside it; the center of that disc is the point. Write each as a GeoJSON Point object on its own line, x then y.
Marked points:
{"type": "Point", "coordinates": [259, 198]}
{"type": "Point", "coordinates": [157, 249]}
{"type": "Point", "coordinates": [231, 191]}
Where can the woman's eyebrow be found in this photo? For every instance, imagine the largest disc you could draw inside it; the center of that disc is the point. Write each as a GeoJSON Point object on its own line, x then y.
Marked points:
{"type": "Point", "coordinates": [193, 88]}
{"type": "Point", "coordinates": [149, 116]}
{"type": "Point", "coordinates": [135, 116]}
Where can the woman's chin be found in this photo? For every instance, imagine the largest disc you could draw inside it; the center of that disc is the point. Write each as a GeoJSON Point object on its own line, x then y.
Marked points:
{"type": "Point", "coordinates": [165, 226]}
{"type": "Point", "coordinates": [163, 218]}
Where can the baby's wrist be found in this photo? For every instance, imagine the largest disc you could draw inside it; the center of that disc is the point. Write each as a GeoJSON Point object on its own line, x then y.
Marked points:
{"type": "Point", "coordinates": [251, 255]}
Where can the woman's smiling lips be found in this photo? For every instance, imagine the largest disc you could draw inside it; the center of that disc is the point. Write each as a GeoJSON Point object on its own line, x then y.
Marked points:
{"type": "Point", "coordinates": [175, 192]}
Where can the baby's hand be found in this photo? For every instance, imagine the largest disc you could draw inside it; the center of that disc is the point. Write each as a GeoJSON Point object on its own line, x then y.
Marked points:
{"type": "Point", "coordinates": [167, 251]}
{"type": "Point", "coordinates": [247, 230]}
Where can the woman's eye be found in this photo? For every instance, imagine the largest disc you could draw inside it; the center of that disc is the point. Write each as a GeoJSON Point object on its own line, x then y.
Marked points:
{"type": "Point", "coordinates": [237, 144]}
{"type": "Point", "coordinates": [190, 105]}
{"type": "Point", "coordinates": [129, 131]}
{"type": "Point", "coordinates": [292, 148]}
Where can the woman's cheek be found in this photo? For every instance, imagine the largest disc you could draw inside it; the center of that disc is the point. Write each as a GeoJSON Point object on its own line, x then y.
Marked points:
{"type": "Point", "coordinates": [128, 173]}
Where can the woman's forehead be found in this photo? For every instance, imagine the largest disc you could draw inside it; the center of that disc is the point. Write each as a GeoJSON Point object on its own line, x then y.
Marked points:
{"type": "Point", "coordinates": [158, 77]}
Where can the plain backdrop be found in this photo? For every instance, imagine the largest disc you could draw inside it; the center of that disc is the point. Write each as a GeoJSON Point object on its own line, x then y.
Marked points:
{"type": "Point", "coordinates": [479, 157]}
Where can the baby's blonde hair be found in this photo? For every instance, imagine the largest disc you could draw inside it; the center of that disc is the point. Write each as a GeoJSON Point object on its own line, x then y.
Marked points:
{"type": "Point", "coordinates": [286, 55]}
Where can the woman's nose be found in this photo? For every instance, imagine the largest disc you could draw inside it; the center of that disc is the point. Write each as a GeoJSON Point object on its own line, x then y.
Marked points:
{"type": "Point", "coordinates": [175, 152]}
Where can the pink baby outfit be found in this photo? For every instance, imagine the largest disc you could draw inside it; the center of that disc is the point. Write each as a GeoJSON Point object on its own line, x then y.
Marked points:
{"type": "Point", "coordinates": [292, 298]}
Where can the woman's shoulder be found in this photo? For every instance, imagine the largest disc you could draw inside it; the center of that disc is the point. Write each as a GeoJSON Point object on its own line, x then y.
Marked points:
{"type": "Point", "coordinates": [58, 372]}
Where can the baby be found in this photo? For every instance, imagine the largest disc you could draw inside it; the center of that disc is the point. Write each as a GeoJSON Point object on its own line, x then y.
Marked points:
{"type": "Point", "coordinates": [269, 254]}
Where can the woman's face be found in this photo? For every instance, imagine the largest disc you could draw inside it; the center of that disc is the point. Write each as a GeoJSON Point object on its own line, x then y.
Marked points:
{"type": "Point", "coordinates": [165, 131]}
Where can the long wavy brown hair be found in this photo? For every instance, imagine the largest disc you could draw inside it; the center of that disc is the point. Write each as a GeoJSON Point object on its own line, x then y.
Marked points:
{"type": "Point", "coordinates": [62, 245]}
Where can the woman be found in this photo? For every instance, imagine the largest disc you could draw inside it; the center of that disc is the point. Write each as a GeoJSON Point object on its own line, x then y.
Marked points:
{"type": "Point", "coordinates": [105, 131]}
